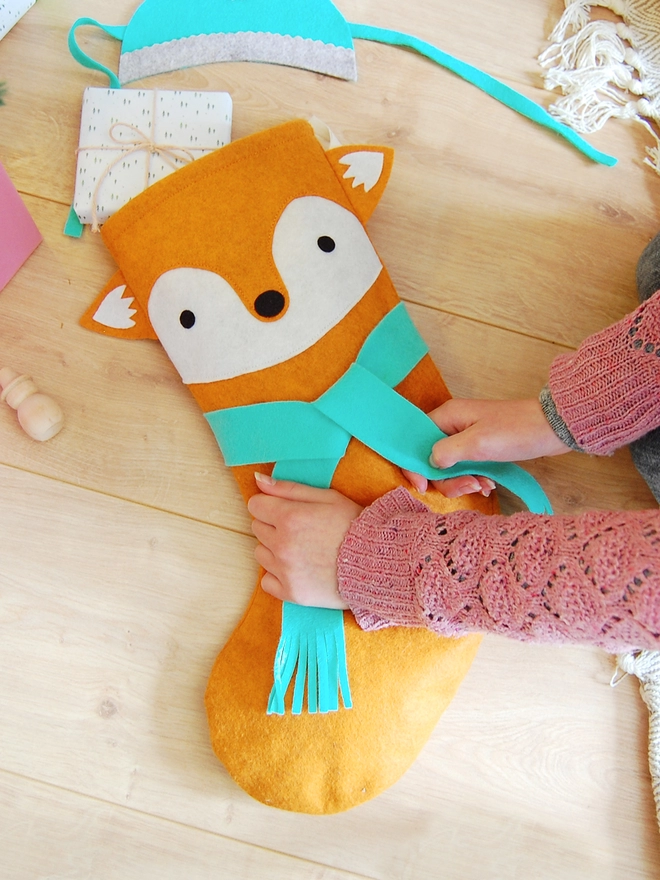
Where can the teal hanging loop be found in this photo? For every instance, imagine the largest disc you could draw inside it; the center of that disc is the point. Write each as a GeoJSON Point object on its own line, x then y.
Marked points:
{"type": "Point", "coordinates": [115, 31]}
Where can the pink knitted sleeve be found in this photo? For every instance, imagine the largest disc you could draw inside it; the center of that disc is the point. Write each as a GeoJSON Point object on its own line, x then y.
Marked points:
{"type": "Point", "coordinates": [608, 391]}
{"type": "Point", "coordinates": [593, 578]}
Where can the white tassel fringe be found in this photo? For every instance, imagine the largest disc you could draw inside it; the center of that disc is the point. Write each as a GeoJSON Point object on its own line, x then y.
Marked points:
{"type": "Point", "coordinates": [599, 72]}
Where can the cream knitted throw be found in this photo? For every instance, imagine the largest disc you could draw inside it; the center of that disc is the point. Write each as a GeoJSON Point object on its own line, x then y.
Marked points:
{"type": "Point", "coordinates": [606, 68]}
{"type": "Point", "coordinates": [646, 666]}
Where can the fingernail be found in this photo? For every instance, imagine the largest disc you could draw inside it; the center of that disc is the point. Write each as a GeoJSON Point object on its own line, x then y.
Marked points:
{"type": "Point", "coordinates": [264, 479]}
{"type": "Point", "coordinates": [490, 483]}
{"type": "Point", "coordinates": [419, 483]}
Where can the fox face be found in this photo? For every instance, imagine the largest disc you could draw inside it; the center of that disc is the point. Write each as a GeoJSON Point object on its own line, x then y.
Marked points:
{"type": "Point", "coordinates": [253, 269]}
{"type": "Point", "coordinates": [326, 263]}
{"type": "Point", "coordinates": [248, 257]}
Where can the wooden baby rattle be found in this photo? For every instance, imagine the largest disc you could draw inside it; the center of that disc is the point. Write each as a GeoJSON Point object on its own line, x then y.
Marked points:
{"type": "Point", "coordinates": [39, 415]}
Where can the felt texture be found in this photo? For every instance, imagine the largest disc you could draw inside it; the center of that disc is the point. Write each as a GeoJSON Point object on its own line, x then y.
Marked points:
{"type": "Point", "coordinates": [312, 641]}
{"type": "Point", "coordinates": [130, 139]}
{"type": "Point", "coordinates": [73, 227]}
{"type": "Point", "coordinates": [363, 405]}
{"type": "Point", "coordinates": [488, 84]}
{"type": "Point", "coordinates": [267, 48]}
{"type": "Point", "coordinates": [313, 644]}
{"type": "Point", "coordinates": [19, 235]}
{"type": "Point", "coordinates": [315, 288]}
{"type": "Point", "coordinates": [117, 32]}
{"type": "Point", "coordinates": [158, 21]}
{"type": "Point", "coordinates": [307, 440]}
{"type": "Point", "coordinates": [165, 35]}
{"type": "Point", "coordinates": [400, 680]}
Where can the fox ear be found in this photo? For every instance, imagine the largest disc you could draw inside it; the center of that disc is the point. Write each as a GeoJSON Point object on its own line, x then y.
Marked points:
{"type": "Point", "coordinates": [363, 171]}
{"type": "Point", "coordinates": [116, 312]}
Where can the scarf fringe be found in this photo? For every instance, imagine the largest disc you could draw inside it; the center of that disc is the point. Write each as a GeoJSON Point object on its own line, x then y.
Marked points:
{"type": "Point", "coordinates": [600, 74]}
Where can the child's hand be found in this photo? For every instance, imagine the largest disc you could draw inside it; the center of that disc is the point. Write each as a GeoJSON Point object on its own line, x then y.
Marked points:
{"type": "Point", "coordinates": [300, 530]}
{"type": "Point", "coordinates": [487, 430]}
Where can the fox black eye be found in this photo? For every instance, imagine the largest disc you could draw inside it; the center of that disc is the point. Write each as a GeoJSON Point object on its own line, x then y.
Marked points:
{"type": "Point", "coordinates": [326, 244]}
{"type": "Point", "coordinates": [187, 319]}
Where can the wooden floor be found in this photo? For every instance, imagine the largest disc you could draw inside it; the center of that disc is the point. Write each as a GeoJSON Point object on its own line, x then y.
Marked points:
{"type": "Point", "coordinates": [125, 549]}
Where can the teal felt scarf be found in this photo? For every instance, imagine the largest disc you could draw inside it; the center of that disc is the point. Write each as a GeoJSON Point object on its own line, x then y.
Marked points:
{"type": "Point", "coordinates": [307, 441]}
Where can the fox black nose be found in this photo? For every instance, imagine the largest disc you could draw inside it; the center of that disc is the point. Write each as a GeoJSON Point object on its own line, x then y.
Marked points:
{"type": "Point", "coordinates": [269, 303]}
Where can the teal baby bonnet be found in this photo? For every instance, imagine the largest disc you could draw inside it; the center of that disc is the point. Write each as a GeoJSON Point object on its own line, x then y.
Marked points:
{"type": "Point", "coordinates": [165, 35]}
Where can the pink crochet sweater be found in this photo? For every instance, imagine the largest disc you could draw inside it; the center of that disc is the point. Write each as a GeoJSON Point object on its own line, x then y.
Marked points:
{"type": "Point", "coordinates": [593, 578]}
{"type": "Point", "coordinates": [608, 391]}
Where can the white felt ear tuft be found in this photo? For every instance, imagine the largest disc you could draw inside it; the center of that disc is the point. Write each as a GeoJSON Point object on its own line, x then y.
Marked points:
{"type": "Point", "coordinates": [365, 167]}
{"type": "Point", "coordinates": [115, 311]}
{"type": "Point", "coordinates": [324, 134]}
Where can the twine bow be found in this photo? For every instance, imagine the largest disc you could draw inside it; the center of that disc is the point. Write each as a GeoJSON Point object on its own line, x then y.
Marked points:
{"type": "Point", "coordinates": [170, 153]}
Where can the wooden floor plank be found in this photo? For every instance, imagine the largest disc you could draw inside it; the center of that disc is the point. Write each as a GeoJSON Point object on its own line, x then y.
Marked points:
{"type": "Point", "coordinates": [50, 832]}
{"type": "Point", "coordinates": [40, 156]}
{"type": "Point", "coordinates": [133, 430]}
{"type": "Point", "coordinates": [126, 558]}
{"type": "Point", "coordinates": [110, 617]}
{"type": "Point", "coordinates": [511, 224]}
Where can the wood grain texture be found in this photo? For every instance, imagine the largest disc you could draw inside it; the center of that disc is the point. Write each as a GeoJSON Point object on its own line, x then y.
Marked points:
{"type": "Point", "coordinates": [126, 555]}
{"type": "Point", "coordinates": [50, 832]}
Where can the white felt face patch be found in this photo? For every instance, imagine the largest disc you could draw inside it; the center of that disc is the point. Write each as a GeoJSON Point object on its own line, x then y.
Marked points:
{"type": "Point", "coordinates": [327, 263]}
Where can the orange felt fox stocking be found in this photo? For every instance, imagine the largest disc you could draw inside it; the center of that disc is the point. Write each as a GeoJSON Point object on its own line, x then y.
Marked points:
{"type": "Point", "coordinates": [253, 269]}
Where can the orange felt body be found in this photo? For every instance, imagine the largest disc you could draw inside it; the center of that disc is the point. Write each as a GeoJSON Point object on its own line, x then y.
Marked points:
{"type": "Point", "coordinates": [230, 227]}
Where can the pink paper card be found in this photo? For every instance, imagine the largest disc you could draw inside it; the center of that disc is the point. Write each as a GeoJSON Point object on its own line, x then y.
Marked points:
{"type": "Point", "coordinates": [19, 235]}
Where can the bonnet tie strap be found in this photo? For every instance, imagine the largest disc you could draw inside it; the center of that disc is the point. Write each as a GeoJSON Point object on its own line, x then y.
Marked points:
{"type": "Point", "coordinates": [484, 81]}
